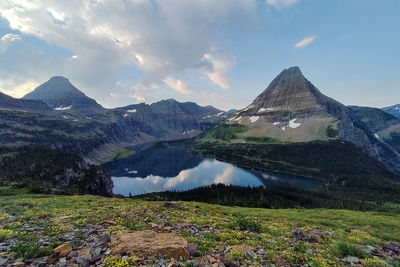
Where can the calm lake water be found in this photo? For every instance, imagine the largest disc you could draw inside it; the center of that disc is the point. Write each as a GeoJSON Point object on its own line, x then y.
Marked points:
{"type": "Point", "coordinates": [166, 167]}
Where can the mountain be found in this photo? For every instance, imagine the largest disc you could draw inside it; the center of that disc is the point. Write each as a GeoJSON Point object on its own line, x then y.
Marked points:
{"type": "Point", "coordinates": [292, 110]}
{"type": "Point", "coordinates": [75, 123]}
{"type": "Point", "coordinates": [61, 95]}
{"type": "Point", "coordinates": [8, 102]}
{"type": "Point", "coordinates": [393, 110]}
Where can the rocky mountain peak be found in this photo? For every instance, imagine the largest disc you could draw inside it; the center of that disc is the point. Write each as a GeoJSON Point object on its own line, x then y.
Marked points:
{"type": "Point", "coordinates": [60, 94]}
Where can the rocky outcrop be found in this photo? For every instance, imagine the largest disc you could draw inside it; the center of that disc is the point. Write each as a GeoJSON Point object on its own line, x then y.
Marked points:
{"type": "Point", "coordinates": [149, 244]}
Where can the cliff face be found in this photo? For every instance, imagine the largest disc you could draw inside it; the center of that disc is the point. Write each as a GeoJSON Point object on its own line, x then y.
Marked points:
{"type": "Point", "coordinates": [292, 109]}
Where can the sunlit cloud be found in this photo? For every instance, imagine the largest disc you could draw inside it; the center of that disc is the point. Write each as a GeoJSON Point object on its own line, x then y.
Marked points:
{"type": "Point", "coordinates": [281, 3]}
{"type": "Point", "coordinates": [177, 85]}
{"type": "Point", "coordinates": [306, 41]}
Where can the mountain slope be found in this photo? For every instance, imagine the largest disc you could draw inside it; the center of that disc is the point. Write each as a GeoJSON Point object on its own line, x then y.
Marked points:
{"type": "Point", "coordinates": [292, 109]}
{"type": "Point", "coordinates": [393, 110]}
{"type": "Point", "coordinates": [61, 95]}
{"type": "Point", "coordinates": [8, 102]}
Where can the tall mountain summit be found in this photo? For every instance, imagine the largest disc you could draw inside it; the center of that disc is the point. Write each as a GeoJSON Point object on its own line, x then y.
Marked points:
{"type": "Point", "coordinates": [60, 94]}
{"type": "Point", "coordinates": [292, 109]}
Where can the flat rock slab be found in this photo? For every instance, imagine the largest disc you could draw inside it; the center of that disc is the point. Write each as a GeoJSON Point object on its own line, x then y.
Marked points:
{"type": "Point", "coordinates": [149, 244]}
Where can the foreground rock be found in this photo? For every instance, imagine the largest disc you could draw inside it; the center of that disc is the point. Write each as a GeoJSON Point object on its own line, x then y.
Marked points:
{"type": "Point", "coordinates": [149, 244]}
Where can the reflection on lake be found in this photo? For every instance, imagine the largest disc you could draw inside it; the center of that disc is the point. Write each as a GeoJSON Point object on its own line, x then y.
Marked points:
{"type": "Point", "coordinates": [173, 167]}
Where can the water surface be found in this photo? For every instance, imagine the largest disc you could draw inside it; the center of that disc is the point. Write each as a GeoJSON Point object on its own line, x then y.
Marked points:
{"type": "Point", "coordinates": [166, 167]}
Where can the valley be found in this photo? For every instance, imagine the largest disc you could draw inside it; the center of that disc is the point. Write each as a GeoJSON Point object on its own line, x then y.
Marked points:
{"type": "Point", "coordinates": [326, 176]}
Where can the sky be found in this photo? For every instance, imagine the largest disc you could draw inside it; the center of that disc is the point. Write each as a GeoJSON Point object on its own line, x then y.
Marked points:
{"type": "Point", "coordinates": [222, 53]}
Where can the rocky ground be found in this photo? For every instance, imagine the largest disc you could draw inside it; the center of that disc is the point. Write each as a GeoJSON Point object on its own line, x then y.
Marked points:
{"type": "Point", "coordinates": [43, 230]}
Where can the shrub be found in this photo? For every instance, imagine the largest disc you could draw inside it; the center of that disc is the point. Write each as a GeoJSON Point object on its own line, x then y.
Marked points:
{"type": "Point", "coordinates": [246, 224]}
{"type": "Point", "coordinates": [344, 249]}
{"type": "Point", "coordinates": [30, 250]}
{"type": "Point", "coordinates": [115, 261]}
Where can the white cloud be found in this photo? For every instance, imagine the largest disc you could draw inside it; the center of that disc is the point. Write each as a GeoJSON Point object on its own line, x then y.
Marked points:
{"type": "Point", "coordinates": [160, 38]}
{"type": "Point", "coordinates": [7, 40]}
{"type": "Point", "coordinates": [306, 41]}
{"type": "Point", "coordinates": [281, 3]}
{"type": "Point", "coordinates": [219, 68]}
{"type": "Point", "coordinates": [177, 85]}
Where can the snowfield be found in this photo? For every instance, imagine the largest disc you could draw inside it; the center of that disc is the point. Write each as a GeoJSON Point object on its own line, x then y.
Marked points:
{"type": "Point", "coordinates": [253, 119]}
{"type": "Point", "coordinates": [63, 108]}
{"type": "Point", "coordinates": [293, 124]}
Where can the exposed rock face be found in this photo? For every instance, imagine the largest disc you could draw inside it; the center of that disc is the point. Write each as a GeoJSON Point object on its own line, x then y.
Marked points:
{"type": "Point", "coordinates": [149, 244]}
{"type": "Point", "coordinates": [292, 109]}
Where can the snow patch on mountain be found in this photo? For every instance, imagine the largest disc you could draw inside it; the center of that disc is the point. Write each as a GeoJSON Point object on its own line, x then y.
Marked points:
{"type": "Point", "coordinates": [293, 124]}
{"type": "Point", "coordinates": [63, 108]}
{"type": "Point", "coordinates": [253, 119]}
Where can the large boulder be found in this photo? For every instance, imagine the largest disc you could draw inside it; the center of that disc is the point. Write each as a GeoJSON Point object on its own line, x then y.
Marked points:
{"type": "Point", "coordinates": [149, 244]}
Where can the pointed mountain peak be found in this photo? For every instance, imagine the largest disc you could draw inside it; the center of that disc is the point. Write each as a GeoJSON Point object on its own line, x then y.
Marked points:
{"type": "Point", "coordinates": [59, 93]}
{"type": "Point", "coordinates": [59, 79]}
{"type": "Point", "coordinates": [295, 70]}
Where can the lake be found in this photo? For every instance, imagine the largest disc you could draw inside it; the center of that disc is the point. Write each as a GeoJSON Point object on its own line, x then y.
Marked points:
{"type": "Point", "coordinates": [168, 167]}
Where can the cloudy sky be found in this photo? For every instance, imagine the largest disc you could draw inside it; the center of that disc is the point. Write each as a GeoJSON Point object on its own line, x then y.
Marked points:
{"type": "Point", "coordinates": [222, 53]}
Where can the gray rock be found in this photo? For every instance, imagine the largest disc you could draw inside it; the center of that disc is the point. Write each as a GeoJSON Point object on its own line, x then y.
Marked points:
{"type": "Point", "coordinates": [261, 251]}
{"type": "Point", "coordinates": [351, 260]}
{"type": "Point", "coordinates": [3, 260]}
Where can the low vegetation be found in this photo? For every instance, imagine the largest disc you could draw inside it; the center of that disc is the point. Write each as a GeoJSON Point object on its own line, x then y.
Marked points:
{"type": "Point", "coordinates": [33, 225]}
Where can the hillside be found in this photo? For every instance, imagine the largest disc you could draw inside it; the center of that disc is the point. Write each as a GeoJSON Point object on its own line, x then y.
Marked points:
{"type": "Point", "coordinates": [88, 227]}
{"type": "Point", "coordinates": [8, 102]}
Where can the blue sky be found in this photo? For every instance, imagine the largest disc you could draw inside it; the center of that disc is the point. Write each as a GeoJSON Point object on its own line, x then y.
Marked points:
{"type": "Point", "coordinates": [222, 53]}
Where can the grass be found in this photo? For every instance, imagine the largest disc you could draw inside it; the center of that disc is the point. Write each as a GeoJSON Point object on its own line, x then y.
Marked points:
{"type": "Point", "coordinates": [267, 228]}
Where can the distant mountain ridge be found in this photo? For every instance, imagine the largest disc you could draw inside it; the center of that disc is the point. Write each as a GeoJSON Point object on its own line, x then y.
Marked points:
{"type": "Point", "coordinates": [78, 124]}
{"type": "Point", "coordinates": [8, 102]}
{"type": "Point", "coordinates": [393, 110]}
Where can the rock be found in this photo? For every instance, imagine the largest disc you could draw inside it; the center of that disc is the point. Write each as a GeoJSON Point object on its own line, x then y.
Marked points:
{"type": "Point", "coordinates": [392, 247]}
{"type": "Point", "coordinates": [148, 244]}
{"type": "Point", "coordinates": [73, 254]}
{"type": "Point", "coordinates": [170, 205]}
{"type": "Point", "coordinates": [63, 260]}
{"type": "Point", "coordinates": [319, 232]}
{"type": "Point", "coordinates": [368, 249]}
{"type": "Point", "coordinates": [251, 255]}
{"type": "Point", "coordinates": [351, 260]}
{"type": "Point", "coordinates": [95, 259]}
{"type": "Point", "coordinates": [298, 235]}
{"type": "Point", "coordinates": [261, 252]}
{"type": "Point", "coordinates": [85, 253]}
{"type": "Point", "coordinates": [3, 261]}
{"type": "Point", "coordinates": [18, 263]}
{"type": "Point", "coordinates": [97, 251]}
{"type": "Point", "coordinates": [225, 261]}
{"type": "Point", "coordinates": [192, 248]}
{"type": "Point", "coordinates": [63, 250]}
{"type": "Point", "coordinates": [172, 263]}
